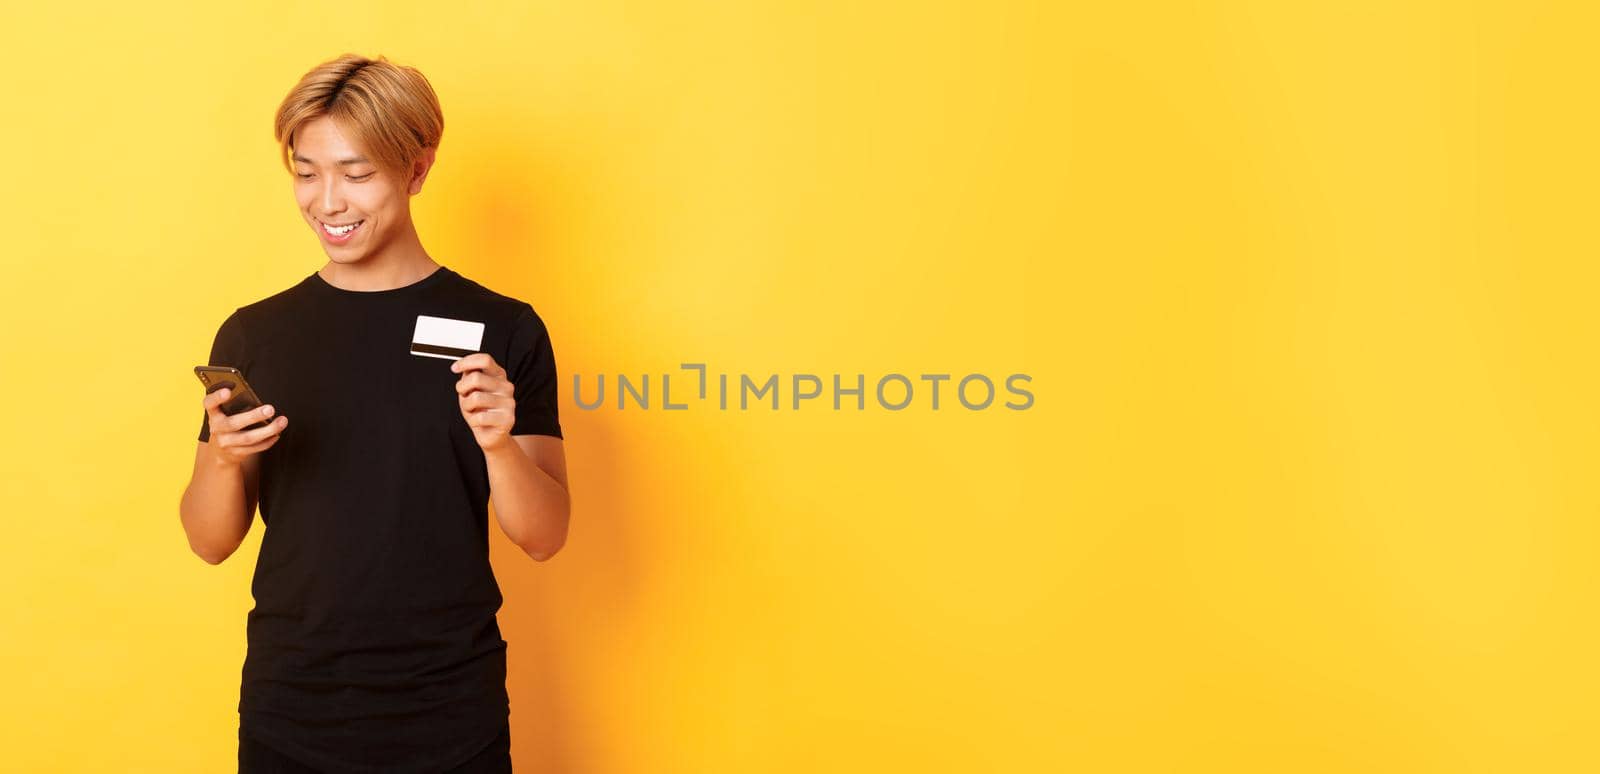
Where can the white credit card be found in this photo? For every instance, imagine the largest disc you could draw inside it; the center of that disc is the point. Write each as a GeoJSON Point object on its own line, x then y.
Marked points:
{"type": "Point", "coordinates": [446, 338]}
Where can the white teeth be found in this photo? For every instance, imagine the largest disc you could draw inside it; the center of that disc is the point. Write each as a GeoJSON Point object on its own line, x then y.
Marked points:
{"type": "Point", "coordinates": [340, 230]}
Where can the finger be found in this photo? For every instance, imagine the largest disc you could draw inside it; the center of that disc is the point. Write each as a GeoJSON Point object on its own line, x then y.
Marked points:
{"type": "Point", "coordinates": [256, 448]}
{"type": "Point", "coordinates": [479, 401]}
{"type": "Point", "coordinates": [472, 361]}
{"type": "Point", "coordinates": [479, 380]}
{"type": "Point", "coordinates": [487, 418]}
{"type": "Point", "coordinates": [481, 361]}
{"type": "Point", "coordinates": [252, 437]}
{"type": "Point", "coordinates": [244, 419]}
{"type": "Point", "coordinates": [215, 399]}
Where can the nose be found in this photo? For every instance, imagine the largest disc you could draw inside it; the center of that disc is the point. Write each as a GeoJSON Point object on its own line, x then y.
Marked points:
{"type": "Point", "coordinates": [331, 199]}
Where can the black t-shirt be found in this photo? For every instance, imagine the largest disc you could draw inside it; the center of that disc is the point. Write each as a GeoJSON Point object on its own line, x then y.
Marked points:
{"type": "Point", "coordinates": [373, 644]}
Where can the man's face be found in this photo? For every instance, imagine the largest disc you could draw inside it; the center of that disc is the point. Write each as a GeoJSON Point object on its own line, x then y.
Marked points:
{"type": "Point", "coordinates": [356, 208]}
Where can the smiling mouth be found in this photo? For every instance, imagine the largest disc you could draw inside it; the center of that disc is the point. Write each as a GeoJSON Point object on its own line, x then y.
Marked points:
{"type": "Point", "coordinates": [340, 232]}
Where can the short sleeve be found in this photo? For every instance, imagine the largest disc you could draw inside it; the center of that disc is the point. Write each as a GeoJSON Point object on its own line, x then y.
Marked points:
{"type": "Point", "coordinates": [531, 368]}
{"type": "Point", "coordinates": [227, 349]}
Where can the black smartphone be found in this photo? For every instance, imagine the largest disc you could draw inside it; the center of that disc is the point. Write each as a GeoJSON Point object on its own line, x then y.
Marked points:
{"type": "Point", "coordinates": [242, 397]}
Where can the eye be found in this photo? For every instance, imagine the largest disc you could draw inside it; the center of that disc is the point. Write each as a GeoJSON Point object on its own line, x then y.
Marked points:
{"type": "Point", "coordinates": [359, 178]}
{"type": "Point", "coordinates": [304, 175]}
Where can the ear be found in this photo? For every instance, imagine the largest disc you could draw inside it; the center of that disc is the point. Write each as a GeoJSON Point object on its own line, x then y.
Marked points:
{"type": "Point", "coordinates": [420, 169]}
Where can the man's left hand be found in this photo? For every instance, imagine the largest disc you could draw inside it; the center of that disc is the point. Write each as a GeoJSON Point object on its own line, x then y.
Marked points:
{"type": "Point", "coordinates": [486, 399]}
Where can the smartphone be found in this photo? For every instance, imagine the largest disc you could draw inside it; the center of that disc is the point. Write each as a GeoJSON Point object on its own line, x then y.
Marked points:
{"type": "Point", "coordinates": [242, 398]}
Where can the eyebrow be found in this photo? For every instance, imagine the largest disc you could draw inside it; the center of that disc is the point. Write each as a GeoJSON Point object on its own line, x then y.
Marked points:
{"type": "Point", "coordinates": [341, 162]}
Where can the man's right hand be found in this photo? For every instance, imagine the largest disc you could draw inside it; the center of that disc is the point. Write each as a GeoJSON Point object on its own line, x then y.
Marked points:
{"type": "Point", "coordinates": [231, 444]}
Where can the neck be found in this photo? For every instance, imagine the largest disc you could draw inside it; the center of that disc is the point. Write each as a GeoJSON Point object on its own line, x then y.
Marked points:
{"type": "Point", "coordinates": [394, 265]}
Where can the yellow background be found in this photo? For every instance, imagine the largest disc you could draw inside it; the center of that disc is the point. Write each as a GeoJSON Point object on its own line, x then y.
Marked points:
{"type": "Point", "coordinates": [1306, 292]}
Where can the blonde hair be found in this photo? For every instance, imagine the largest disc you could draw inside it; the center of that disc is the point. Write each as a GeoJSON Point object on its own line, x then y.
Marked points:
{"type": "Point", "coordinates": [391, 109]}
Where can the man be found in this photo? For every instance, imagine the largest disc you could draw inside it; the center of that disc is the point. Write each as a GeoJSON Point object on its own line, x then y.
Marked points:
{"type": "Point", "coordinates": [373, 644]}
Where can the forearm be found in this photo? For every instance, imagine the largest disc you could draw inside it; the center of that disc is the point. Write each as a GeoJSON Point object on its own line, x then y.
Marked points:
{"type": "Point", "coordinates": [531, 505]}
{"type": "Point", "coordinates": [215, 510]}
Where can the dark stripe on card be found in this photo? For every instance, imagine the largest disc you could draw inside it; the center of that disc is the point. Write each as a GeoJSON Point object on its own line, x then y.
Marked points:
{"type": "Point", "coordinates": [435, 349]}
